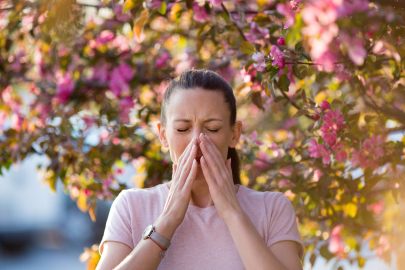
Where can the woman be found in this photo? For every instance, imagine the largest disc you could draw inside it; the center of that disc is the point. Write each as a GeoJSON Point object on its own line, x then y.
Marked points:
{"type": "Point", "coordinates": [203, 218]}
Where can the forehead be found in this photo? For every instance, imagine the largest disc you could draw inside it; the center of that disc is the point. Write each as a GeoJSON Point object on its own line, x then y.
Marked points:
{"type": "Point", "coordinates": [196, 104]}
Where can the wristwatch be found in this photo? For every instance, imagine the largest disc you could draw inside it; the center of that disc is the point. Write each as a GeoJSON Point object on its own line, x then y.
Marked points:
{"type": "Point", "coordinates": [150, 232]}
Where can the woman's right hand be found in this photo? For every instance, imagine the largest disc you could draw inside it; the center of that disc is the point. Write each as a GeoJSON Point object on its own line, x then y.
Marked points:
{"type": "Point", "coordinates": [184, 173]}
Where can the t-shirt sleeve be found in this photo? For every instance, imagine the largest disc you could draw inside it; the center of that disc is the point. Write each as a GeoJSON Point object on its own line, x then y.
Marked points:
{"type": "Point", "coordinates": [118, 226]}
{"type": "Point", "coordinates": [283, 225]}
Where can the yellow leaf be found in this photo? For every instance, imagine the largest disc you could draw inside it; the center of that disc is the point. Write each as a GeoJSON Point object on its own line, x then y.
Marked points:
{"type": "Point", "coordinates": [175, 8]}
{"type": "Point", "coordinates": [129, 4]}
{"type": "Point", "coordinates": [247, 48]}
{"type": "Point", "coordinates": [82, 202]}
{"type": "Point", "coordinates": [350, 209]}
{"type": "Point", "coordinates": [92, 211]}
{"type": "Point", "coordinates": [140, 22]}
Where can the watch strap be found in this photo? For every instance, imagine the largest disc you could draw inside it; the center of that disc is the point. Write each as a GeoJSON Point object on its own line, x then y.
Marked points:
{"type": "Point", "coordinates": [160, 239]}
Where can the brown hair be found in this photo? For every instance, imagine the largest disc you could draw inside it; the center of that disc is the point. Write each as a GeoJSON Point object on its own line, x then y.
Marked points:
{"type": "Point", "coordinates": [210, 81]}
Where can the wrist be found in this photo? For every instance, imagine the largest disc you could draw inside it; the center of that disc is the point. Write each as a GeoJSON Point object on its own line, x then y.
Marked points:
{"type": "Point", "coordinates": [165, 227]}
{"type": "Point", "coordinates": [234, 216]}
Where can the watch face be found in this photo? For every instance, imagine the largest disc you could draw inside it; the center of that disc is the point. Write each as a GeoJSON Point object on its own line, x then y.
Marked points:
{"type": "Point", "coordinates": [147, 232]}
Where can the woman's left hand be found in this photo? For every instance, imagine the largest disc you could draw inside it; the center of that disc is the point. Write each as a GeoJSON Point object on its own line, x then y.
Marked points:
{"type": "Point", "coordinates": [218, 175]}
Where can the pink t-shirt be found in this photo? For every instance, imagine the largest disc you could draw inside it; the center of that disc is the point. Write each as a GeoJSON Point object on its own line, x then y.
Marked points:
{"type": "Point", "coordinates": [203, 240]}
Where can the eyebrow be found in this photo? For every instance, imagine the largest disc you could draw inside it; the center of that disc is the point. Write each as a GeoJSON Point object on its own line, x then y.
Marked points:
{"type": "Point", "coordinates": [187, 120]}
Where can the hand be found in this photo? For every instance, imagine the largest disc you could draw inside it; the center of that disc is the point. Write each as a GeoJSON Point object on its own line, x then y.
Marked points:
{"type": "Point", "coordinates": [184, 173]}
{"type": "Point", "coordinates": [218, 175]}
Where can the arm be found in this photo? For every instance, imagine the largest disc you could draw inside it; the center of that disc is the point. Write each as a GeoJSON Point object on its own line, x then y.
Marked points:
{"type": "Point", "coordinates": [145, 256]}
{"type": "Point", "coordinates": [253, 250]}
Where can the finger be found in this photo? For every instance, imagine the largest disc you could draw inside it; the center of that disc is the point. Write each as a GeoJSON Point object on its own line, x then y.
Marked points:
{"type": "Point", "coordinates": [215, 150]}
{"type": "Point", "coordinates": [187, 166]}
{"type": "Point", "coordinates": [191, 177]}
{"type": "Point", "coordinates": [229, 167]}
{"type": "Point", "coordinates": [174, 170]}
{"type": "Point", "coordinates": [216, 167]}
{"type": "Point", "coordinates": [184, 157]}
{"type": "Point", "coordinates": [207, 174]}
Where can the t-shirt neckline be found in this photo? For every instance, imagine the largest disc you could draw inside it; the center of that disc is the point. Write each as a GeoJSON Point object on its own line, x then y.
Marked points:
{"type": "Point", "coordinates": [194, 208]}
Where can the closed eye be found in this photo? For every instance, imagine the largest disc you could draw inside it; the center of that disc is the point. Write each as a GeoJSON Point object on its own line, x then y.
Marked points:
{"type": "Point", "coordinates": [184, 130]}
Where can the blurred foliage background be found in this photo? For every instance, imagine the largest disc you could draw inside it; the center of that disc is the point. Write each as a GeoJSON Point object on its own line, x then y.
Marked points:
{"type": "Point", "coordinates": [319, 87]}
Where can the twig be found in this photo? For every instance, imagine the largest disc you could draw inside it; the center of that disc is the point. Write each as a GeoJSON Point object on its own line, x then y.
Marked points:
{"type": "Point", "coordinates": [291, 101]}
{"type": "Point", "coordinates": [234, 23]}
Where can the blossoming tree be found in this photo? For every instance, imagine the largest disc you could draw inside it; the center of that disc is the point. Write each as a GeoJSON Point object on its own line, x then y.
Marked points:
{"type": "Point", "coordinates": [319, 84]}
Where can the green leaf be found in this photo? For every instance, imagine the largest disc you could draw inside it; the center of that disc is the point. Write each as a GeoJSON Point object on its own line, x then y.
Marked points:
{"type": "Point", "coordinates": [304, 96]}
{"type": "Point", "coordinates": [336, 104]}
{"type": "Point", "coordinates": [297, 72]}
{"type": "Point", "coordinates": [274, 73]}
{"type": "Point", "coordinates": [300, 113]}
{"type": "Point", "coordinates": [284, 82]}
{"type": "Point", "coordinates": [286, 70]}
{"type": "Point", "coordinates": [249, 63]}
{"type": "Point", "coordinates": [162, 8]}
{"type": "Point", "coordinates": [298, 45]}
{"type": "Point", "coordinates": [247, 48]}
{"type": "Point", "coordinates": [306, 56]}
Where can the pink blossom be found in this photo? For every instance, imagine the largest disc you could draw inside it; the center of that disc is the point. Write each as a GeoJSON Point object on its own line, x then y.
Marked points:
{"type": "Point", "coordinates": [359, 158]}
{"type": "Point", "coordinates": [278, 57]}
{"type": "Point", "coordinates": [325, 105]}
{"type": "Point", "coordinates": [285, 183]}
{"type": "Point", "coordinates": [121, 43]}
{"type": "Point", "coordinates": [373, 146]}
{"type": "Point", "coordinates": [340, 152]}
{"type": "Point", "coordinates": [161, 61]}
{"type": "Point", "coordinates": [383, 245]}
{"type": "Point", "coordinates": [316, 116]}
{"type": "Point", "coordinates": [215, 2]}
{"type": "Point", "coordinates": [281, 41]}
{"type": "Point", "coordinates": [126, 104]}
{"type": "Point", "coordinates": [350, 7]}
{"type": "Point", "coordinates": [260, 64]}
{"type": "Point", "coordinates": [100, 73]}
{"type": "Point", "coordinates": [377, 207]}
{"type": "Point", "coordinates": [333, 119]}
{"type": "Point", "coordinates": [294, 4]}
{"type": "Point", "coordinates": [64, 87]}
{"type": "Point", "coordinates": [328, 134]}
{"type": "Point", "coordinates": [355, 48]}
{"type": "Point", "coordinates": [336, 244]}
{"type": "Point", "coordinates": [118, 13]}
{"type": "Point", "coordinates": [126, 71]}
{"type": "Point", "coordinates": [3, 116]}
{"type": "Point", "coordinates": [117, 83]}
{"type": "Point", "coordinates": [200, 14]}
{"type": "Point", "coordinates": [317, 175]}
{"type": "Point", "coordinates": [317, 150]}
{"type": "Point", "coordinates": [256, 32]}
{"type": "Point", "coordinates": [252, 137]}
{"type": "Point", "coordinates": [287, 12]}
{"type": "Point", "coordinates": [16, 121]}
{"type": "Point", "coordinates": [105, 36]}
{"type": "Point", "coordinates": [154, 4]}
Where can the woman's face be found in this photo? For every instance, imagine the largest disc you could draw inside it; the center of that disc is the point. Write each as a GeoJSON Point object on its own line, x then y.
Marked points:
{"type": "Point", "coordinates": [191, 112]}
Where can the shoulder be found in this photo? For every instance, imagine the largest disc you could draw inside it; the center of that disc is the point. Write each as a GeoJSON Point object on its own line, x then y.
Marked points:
{"type": "Point", "coordinates": [142, 194]}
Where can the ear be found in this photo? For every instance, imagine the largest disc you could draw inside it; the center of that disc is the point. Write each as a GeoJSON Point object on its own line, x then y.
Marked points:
{"type": "Point", "coordinates": [162, 134]}
{"type": "Point", "coordinates": [236, 132]}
